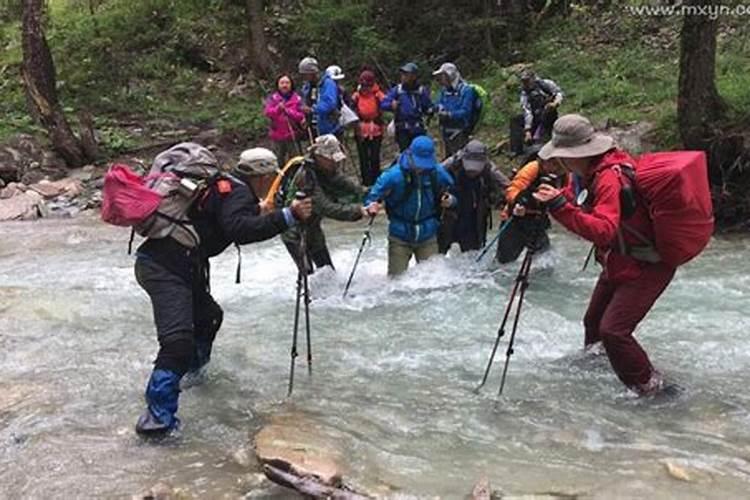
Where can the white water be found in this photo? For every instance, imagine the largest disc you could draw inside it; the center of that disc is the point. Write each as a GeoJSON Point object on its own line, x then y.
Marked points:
{"type": "Point", "coordinates": [394, 370]}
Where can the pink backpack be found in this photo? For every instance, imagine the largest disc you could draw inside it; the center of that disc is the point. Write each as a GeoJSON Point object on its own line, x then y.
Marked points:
{"type": "Point", "coordinates": [126, 198]}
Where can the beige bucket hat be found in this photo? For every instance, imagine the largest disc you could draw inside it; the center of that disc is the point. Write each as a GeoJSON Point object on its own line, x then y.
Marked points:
{"type": "Point", "coordinates": [573, 136]}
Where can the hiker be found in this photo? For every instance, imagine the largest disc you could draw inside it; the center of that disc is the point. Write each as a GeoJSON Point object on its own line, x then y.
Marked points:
{"type": "Point", "coordinates": [410, 103]}
{"type": "Point", "coordinates": [367, 101]}
{"type": "Point", "coordinates": [540, 99]}
{"type": "Point", "coordinates": [287, 121]}
{"type": "Point", "coordinates": [524, 221]}
{"type": "Point", "coordinates": [320, 99]}
{"type": "Point", "coordinates": [480, 187]}
{"type": "Point", "coordinates": [414, 190]}
{"type": "Point", "coordinates": [631, 279]}
{"type": "Point", "coordinates": [337, 75]}
{"type": "Point", "coordinates": [320, 177]}
{"type": "Point", "coordinates": [455, 107]}
{"type": "Point", "coordinates": [176, 277]}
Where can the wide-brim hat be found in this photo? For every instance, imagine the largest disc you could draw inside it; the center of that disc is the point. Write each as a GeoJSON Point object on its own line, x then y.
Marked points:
{"type": "Point", "coordinates": [328, 146]}
{"type": "Point", "coordinates": [573, 136]}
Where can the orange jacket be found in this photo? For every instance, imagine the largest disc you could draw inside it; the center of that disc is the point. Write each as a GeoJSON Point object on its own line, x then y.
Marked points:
{"type": "Point", "coordinates": [520, 183]}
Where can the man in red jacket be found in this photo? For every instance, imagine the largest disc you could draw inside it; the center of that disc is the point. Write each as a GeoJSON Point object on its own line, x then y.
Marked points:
{"type": "Point", "coordinates": [632, 276]}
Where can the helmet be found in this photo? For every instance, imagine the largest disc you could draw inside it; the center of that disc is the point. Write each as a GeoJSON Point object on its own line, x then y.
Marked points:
{"type": "Point", "coordinates": [256, 162]}
{"type": "Point", "coordinates": [335, 72]}
{"type": "Point", "coordinates": [308, 65]}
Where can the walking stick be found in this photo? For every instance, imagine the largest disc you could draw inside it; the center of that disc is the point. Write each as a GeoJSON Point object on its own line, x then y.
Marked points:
{"type": "Point", "coordinates": [588, 258]}
{"type": "Point", "coordinates": [521, 283]}
{"type": "Point", "coordinates": [303, 292]}
{"type": "Point", "coordinates": [489, 245]}
{"type": "Point", "coordinates": [365, 239]}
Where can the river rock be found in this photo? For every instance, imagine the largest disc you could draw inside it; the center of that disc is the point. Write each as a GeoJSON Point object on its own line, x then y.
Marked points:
{"type": "Point", "coordinates": [12, 189]}
{"type": "Point", "coordinates": [482, 490]}
{"type": "Point", "coordinates": [163, 491]}
{"type": "Point", "coordinates": [632, 137]}
{"type": "Point", "coordinates": [296, 444]}
{"type": "Point", "coordinates": [24, 206]}
{"type": "Point", "coordinates": [68, 187]}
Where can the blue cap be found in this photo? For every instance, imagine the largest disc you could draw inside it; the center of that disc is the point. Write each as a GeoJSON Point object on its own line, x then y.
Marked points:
{"type": "Point", "coordinates": [423, 152]}
{"type": "Point", "coordinates": [409, 68]}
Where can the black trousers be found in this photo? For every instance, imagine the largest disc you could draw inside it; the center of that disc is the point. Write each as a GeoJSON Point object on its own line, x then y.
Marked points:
{"type": "Point", "coordinates": [369, 159]}
{"type": "Point", "coordinates": [186, 315]}
{"type": "Point", "coordinates": [404, 138]}
{"type": "Point", "coordinates": [526, 232]}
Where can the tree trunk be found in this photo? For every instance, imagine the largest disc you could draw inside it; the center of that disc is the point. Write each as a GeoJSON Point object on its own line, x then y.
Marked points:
{"type": "Point", "coordinates": [38, 74]}
{"type": "Point", "coordinates": [260, 59]}
{"type": "Point", "coordinates": [699, 106]}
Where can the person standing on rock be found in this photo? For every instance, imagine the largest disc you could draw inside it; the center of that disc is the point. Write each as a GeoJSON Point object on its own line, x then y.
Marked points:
{"type": "Point", "coordinates": [176, 277]}
{"type": "Point", "coordinates": [370, 128]}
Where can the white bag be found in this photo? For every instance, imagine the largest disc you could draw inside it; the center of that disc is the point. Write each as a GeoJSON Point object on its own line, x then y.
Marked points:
{"type": "Point", "coordinates": [390, 130]}
{"type": "Point", "coordinates": [347, 116]}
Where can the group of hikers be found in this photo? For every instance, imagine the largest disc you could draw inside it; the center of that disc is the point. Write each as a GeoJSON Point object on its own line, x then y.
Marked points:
{"type": "Point", "coordinates": [578, 178]}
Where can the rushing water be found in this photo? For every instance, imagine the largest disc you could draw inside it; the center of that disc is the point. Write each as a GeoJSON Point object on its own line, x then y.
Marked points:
{"type": "Point", "coordinates": [394, 371]}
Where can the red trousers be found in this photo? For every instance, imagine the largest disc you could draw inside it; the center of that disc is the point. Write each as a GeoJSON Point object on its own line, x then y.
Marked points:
{"type": "Point", "coordinates": [614, 312]}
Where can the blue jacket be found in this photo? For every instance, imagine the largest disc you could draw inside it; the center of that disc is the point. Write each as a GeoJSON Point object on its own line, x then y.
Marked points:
{"type": "Point", "coordinates": [326, 107]}
{"type": "Point", "coordinates": [416, 218]}
{"type": "Point", "coordinates": [459, 103]}
{"type": "Point", "coordinates": [413, 105]}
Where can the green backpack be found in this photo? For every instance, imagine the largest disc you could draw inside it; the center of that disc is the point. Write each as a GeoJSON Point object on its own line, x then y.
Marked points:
{"type": "Point", "coordinates": [479, 106]}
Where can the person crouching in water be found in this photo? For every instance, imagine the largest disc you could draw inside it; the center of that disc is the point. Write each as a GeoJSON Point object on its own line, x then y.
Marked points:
{"type": "Point", "coordinates": [176, 277]}
{"type": "Point", "coordinates": [414, 190]}
{"type": "Point", "coordinates": [590, 206]}
{"type": "Point", "coordinates": [524, 220]}
{"type": "Point", "coordinates": [320, 177]}
{"type": "Point", "coordinates": [480, 188]}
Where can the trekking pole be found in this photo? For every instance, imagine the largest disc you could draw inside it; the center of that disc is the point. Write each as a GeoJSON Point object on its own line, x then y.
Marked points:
{"type": "Point", "coordinates": [294, 134]}
{"type": "Point", "coordinates": [521, 278]}
{"type": "Point", "coordinates": [524, 285]}
{"type": "Point", "coordinates": [588, 258]}
{"type": "Point", "coordinates": [365, 239]}
{"type": "Point", "coordinates": [294, 334]}
{"type": "Point", "coordinates": [307, 267]}
{"type": "Point", "coordinates": [303, 291]}
{"type": "Point", "coordinates": [489, 245]}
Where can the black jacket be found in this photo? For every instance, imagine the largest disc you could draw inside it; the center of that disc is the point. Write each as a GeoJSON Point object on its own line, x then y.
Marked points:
{"type": "Point", "coordinates": [227, 213]}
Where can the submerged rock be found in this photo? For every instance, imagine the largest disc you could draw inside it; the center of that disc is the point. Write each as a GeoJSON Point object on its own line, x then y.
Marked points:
{"type": "Point", "coordinates": [301, 454]}
{"type": "Point", "coordinates": [163, 491]}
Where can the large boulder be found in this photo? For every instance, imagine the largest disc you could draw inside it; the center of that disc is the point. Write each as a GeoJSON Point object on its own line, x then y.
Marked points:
{"type": "Point", "coordinates": [24, 206]}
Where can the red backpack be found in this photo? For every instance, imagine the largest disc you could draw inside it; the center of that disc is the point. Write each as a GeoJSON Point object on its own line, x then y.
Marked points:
{"type": "Point", "coordinates": [675, 187]}
{"type": "Point", "coordinates": [126, 199]}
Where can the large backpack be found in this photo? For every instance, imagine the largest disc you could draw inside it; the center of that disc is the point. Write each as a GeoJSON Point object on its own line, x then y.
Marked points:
{"type": "Point", "coordinates": [281, 193]}
{"type": "Point", "coordinates": [157, 205]}
{"type": "Point", "coordinates": [479, 106]}
{"type": "Point", "coordinates": [675, 188]}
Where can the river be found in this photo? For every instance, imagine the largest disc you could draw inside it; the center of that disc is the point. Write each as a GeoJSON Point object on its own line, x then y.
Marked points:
{"type": "Point", "coordinates": [394, 371]}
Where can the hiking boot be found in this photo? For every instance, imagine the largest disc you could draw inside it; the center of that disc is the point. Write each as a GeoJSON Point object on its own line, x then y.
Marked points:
{"type": "Point", "coordinates": [162, 394]}
{"type": "Point", "coordinates": [651, 388]}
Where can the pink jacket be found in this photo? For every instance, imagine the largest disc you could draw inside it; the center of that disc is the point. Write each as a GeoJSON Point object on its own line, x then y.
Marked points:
{"type": "Point", "coordinates": [284, 120]}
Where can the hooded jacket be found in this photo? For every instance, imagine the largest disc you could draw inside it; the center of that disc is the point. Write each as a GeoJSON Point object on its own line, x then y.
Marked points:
{"type": "Point", "coordinates": [458, 100]}
{"type": "Point", "coordinates": [599, 219]}
{"type": "Point", "coordinates": [325, 107]}
{"type": "Point", "coordinates": [413, 214]}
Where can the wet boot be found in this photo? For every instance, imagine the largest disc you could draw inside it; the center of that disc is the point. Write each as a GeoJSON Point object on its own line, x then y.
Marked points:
{"type": "Point", "coordinates": [162, 393]}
